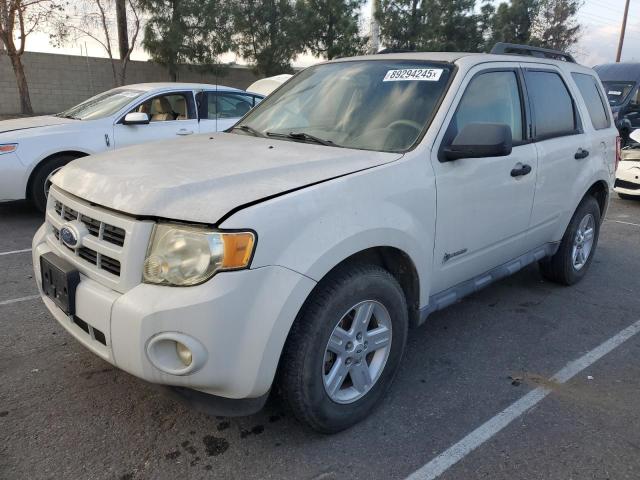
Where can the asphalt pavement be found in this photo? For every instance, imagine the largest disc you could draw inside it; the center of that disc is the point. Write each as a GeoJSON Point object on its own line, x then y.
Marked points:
{"type": "Point", "coordinates": [66, 414]}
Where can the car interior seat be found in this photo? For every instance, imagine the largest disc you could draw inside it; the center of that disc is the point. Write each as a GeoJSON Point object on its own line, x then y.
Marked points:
{"type": "Point", "coordinates": [181, 108]}
{"type": "Point", "coordinates": [161, 110]}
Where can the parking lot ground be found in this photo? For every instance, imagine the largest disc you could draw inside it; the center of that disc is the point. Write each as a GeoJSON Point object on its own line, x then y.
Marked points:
{"type": "Point", "coordinates": [64, 413]}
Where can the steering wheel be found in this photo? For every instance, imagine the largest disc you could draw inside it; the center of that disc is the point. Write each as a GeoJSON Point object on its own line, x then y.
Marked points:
{"type": "Point", "coordinates": [407, 123]}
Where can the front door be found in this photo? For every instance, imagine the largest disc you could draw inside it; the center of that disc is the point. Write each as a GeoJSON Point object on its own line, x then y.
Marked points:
{"type": "Point", "coordinates": [483, 204]}
{"type": "Point", "coordinates": [171, 115]}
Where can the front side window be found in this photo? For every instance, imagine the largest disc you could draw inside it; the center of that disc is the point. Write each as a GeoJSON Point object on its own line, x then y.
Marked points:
{"type": "Point", "coordinates": [491, 97]}
{"type": "Point", "coordinates": [167, 107]}
{"type": "Point", "coordinates": [593, 99]}
{"type": "Point", "coordinates": [552, 104]}
{"type": "Point", "coordinates": [102, 105]}
{"type": "Point", "coordinates": [381, 105]}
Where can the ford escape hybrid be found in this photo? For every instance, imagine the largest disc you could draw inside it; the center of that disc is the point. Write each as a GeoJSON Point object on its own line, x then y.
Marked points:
{"type": "Point", "coordinates": [295, 251]}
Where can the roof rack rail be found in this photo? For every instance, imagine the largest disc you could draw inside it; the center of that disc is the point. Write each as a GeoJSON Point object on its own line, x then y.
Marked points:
{"type": "Point", "coordinates": [502, 48]}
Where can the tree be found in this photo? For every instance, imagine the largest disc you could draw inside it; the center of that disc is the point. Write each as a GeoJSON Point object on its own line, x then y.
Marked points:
{"type": "Point", "coordinates": [186, 31]}
{"type": "Point", "coordinates": [556, 25]}
{"type": "Point", "coordinates": [332, 27]}
{"type": "Point", "coordinates": [543, 23]}
{"type": "Point", "coordinates": [514, 22]}
{"type": "Point", "coordinates": [22, 17]}
{"type": "Point", "coordinates": [123, 30]}
{"type": "Point", "coordinates": [401, 23]}
{"type": "Point", "coordinates": [433, 25]}
{"type": "Point", "coordinates": [90, 18]}
{"type": "Point", "coordinates": [268, 33]}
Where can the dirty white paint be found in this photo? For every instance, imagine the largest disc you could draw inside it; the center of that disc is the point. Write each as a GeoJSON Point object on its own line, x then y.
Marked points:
{"type": "Point", "coordinates": [486, 431]}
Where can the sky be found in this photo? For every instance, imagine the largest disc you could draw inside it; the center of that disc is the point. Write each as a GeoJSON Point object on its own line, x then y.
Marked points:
{"type": "Point", "coordinates": [598, 43]}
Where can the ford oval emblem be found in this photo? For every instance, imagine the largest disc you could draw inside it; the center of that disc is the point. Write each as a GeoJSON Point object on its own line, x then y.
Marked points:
{"type": "Point", "coordinates": [69, 237]}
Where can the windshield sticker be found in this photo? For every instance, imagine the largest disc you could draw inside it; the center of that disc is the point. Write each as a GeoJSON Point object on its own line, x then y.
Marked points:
{"type": "Point", "coordinates": [412, 74]}
{"type": "Point", "coordinates": [614, 92]}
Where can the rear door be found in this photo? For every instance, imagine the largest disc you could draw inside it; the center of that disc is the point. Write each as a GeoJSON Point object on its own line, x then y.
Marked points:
{"type": "Point", "coordinates": [563, 150]}
{"type": "Point", "coordinates": [600, 126]}
{"type": "Point", "coordinates": [483, 210]}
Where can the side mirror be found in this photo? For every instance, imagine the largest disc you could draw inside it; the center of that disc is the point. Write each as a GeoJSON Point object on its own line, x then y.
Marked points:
{"type": "Point", "coordinates": [135, 118]}
{"type": "Point", "coordinates": [478, 140]}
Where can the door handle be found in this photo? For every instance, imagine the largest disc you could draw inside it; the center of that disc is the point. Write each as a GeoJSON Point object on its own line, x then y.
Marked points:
{"type": "Point", "coordinates": [581, 153]}
{"type": "Point", "coordinates": [522, 171]}
{"type": "Point", "coordinates": [184, 131]}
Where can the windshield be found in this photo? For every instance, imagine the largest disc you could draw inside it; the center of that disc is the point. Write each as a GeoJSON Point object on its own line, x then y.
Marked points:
{"type": "Point", "coordinates": [617, 92]}
{"type": "Point", "coordinates": [370, 105]}
{"type": "Point", "coordinates": [102, 105]}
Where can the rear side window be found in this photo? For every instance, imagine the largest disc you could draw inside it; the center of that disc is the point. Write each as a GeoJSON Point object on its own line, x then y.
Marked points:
{"type": "Point", "coordinates": [552, 105]}
{"type": "Point", "coordinates": [229, 105]}
{"type": "Point", "coordinates": [593, 99]}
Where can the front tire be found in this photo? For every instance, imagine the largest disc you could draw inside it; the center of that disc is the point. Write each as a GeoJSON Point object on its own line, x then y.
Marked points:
{"type": "Point", "coordinates": [41, 180]}
{"type": "Point", "coordinates": [573, 258]}
{"type": "Point", "coordinates": [344, 348]}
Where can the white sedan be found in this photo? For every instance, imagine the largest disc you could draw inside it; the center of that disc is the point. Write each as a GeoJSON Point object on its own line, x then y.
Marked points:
{"type": "Point", "coordinates": [33, 149]}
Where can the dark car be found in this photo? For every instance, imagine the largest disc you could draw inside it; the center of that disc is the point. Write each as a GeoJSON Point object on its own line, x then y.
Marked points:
{"type": "Point", "coordinates": [620, 82]}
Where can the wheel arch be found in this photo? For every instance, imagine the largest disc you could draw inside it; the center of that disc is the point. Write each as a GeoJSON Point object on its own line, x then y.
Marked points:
{"type": "Point", "coordinates": [396, 261]}
{"type": "Point", "coordinates": [600, 191]}
{"type": "Point", "coordinates": [64, 153]}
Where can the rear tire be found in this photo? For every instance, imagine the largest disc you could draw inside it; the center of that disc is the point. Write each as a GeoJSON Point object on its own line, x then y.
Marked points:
{"type": "Point", "coordinates": [40, 182]}
{"type": "Point", "coordinates": [316, 381]}
{"type": "Point", "coordinates": [573, 258]}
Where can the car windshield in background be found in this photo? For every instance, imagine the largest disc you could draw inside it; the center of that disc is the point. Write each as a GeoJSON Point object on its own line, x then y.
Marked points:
{"type": "Point", "coordinates": [617, 92]}
{"type": "Point", "coordinates": [102, 105]}
{"type": "Point", "coordinates": [370, 105]}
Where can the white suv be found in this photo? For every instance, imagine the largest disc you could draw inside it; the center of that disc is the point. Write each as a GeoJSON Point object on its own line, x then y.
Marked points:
{"type": "Point", "coordinates": [296, 250]}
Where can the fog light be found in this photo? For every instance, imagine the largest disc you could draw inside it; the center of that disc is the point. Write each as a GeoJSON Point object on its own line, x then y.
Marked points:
{"type": "Point", "coordinates": [184, 354]}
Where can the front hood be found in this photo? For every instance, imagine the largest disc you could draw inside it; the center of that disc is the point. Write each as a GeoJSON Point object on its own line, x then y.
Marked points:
{"type": "Point", "coordinates": [200, 179]}
{"type": "Point", "coordinates": [32, 122]}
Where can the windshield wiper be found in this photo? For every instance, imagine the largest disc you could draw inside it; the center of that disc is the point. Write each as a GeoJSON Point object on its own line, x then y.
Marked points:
{"type": "Point", "coordinates": [249, 129]}
{"type": "Point", "coordinates": [303, 136]}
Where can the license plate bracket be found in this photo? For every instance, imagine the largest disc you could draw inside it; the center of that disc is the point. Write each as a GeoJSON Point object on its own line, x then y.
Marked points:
{"type": "Point", "coordinates": [60, 280]}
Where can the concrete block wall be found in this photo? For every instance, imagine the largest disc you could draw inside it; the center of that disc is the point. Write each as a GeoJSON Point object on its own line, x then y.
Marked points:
{"type": "Point", "coordinates": [57, 82]}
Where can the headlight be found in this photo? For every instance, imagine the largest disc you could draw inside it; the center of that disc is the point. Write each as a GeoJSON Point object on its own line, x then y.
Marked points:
{"type": "Point", "coordinates": [183, 255]}
{"type": "Point", "coordinates": [8, 148]}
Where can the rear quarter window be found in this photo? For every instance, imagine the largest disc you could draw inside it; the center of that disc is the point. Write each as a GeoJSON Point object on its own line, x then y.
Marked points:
{"type": "Point", "coordinates": [594, 100]}
{"type": "Point", "coordinates": [552, 104]}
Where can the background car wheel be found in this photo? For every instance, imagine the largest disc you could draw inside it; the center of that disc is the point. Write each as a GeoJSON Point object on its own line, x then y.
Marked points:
{"type": "Point", "coordinates": [41, 180]}
{"type": "Point", "coordinates": [344, 348]}
{"type": "Point", "coordinates": [624, 196]}
{"type": "Point", "coordinates": [574, 256]}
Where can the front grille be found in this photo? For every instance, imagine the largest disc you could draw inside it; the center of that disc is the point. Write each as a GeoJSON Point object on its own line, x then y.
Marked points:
{"type": "Point", "coordinates": [112, 245]}
{"type": "Point", "coordinates": [89, 255]}
{"type": "Point", "coordinates": [102, 231]}
{"type": "Point", "coordinates": [628, 185]}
